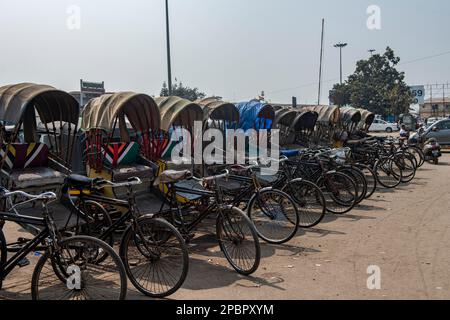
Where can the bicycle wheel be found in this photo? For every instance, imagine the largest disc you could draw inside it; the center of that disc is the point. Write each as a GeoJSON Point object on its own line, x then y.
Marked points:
{"type": "Point", "coordinates": [238, 240]}
{"type": "Point", "coordinates": [371, 179]}
{"type": "Point", "coordinates": [86, 278]}
{"type": "Point", "coordinates": [3, 256]}
{"type": "Point", "coordinates": [359, 179]}
{"type": "Point", "coordinates": [309, 200]}
{"type": "Point", "coordinates": [155, 257]}
{"type": "Point", "coordinates": [99, 221]}
{"type": "Point", "coordinates": [389, 174]}
{"type": "Point", "coordinates": [275, 216]}
{"type": "Point", "coordinates": [340, 192]}
{"type": "Point", "coordinates": [418, 155]}
{"type": "Point", "coordinates": [407, 163]}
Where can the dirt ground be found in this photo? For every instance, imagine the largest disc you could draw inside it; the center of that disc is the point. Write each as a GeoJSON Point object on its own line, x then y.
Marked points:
{"type": "Point", "coordinates": [403, 232]}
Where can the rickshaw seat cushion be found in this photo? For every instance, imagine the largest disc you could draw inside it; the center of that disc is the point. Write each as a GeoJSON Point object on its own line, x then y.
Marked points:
{"type": "Point", "coordinates": [124, 172]}
{"type": "Point", "coordinates": [122, 153]}
{"type": "Point", "coordinates": [36, 177]}
{"type": "Point", "coordinates": [25, 155]}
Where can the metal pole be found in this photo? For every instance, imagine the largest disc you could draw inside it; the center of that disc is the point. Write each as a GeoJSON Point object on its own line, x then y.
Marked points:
{"type": "Point", "coordinates": [321, 62]}
{"type": "Point", "coordinates": [169, 64]}
{"type": "Point", "coordinates": [340, 53]}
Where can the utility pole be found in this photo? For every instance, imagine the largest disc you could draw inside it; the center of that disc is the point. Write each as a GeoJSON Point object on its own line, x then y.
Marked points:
{"type": "Point", "coordinates": [321, 62]}
{"type": "Point", "coordinates": [371, 51]}
{"type": "Point", "coordinates": [340, 46]}
{"type": "Point", "coordinates": [169, 63]}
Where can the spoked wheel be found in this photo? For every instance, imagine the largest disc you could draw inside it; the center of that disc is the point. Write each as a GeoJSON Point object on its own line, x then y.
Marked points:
{"type": "Point", "coordinates": [3, 256]}
{"type": "Point", "coordinates": [238, 240]}
{"type": "Point", "coordinates": [371, 179]}
{"type": "Point", "coordinates": [275, 216]}
{"type": "Point", "coordinates": [359, 179]}
{"type": "Point", "coordinates": [155, 256]}
{"type": "Point", "coordinates": [340, 192]}
{"type": "Point", "coordinates": [99, 222]}
{"type": "Point", "coordinates": [389, 174]}
{"type": "Point", "coordinates": [407, 163]}
{"type": "Point", "coordinates": [309, 200]}
{"type": "Point", "coordinates": [85, 277]}
{"type": "Point", "coordinates": [418, 155]}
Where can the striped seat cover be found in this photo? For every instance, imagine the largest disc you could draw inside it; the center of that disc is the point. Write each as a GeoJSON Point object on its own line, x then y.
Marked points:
{"type": "Point", "coordinates": [24, 155]}
{"type": "Point", "coordinates": [117, 154]}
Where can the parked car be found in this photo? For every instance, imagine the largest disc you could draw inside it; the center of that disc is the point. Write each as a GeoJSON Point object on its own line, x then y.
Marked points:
{"type": "Point", "coordinates": [439, 131]}
{"type": "Point", "coordinates": [381, 125]}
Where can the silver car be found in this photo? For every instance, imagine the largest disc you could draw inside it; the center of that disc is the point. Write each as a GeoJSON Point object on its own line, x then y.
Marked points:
{"type": "Point", "coordinates": [440, 131]}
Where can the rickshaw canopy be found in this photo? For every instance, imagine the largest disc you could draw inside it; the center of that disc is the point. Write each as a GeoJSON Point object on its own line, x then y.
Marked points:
{"type": "Point", "coordinates": [350, 115]}
{"type": "Point", "coordinates": [178, 112]}
{"type": "Point", "coordinates": [255, 115]}
{"type": "Point", "coordinates": [140, 110]}
{"type": "Point", "coordinates": [326, 114]}
{"type": "Point", "coordinates": [305, 121]}
{"type": "Point", "coordinates": [284, 117]}
{"type": "Point", "coordinates": [51, 104]}
{"type": "Point", "coordinates": [215, 108]}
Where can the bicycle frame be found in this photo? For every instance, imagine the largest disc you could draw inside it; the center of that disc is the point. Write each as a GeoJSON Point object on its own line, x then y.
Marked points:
{"type": "Point", "coordinates": [29, 246]}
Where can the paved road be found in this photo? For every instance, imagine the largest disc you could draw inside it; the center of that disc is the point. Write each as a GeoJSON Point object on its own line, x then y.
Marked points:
{"type": "Point", "coordinates": [404, 233]}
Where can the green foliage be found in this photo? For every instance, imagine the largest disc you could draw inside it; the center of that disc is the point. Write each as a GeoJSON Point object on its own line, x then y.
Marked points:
{"type": "Point", "coordinates": [182, 91]}
{"type": "Point", "coordinates": [376, 85]}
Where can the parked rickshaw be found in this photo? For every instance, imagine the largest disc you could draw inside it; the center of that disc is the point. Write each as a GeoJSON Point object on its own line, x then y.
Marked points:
{"type": "Point", "coordinates": [350, 119]}
{"type": "Point", "coordinates": [38, 133]}
{"type": "Point", "coordinates": [117, 196]}
{"type": "Point", "coordinates": [326, 126]}
{"type": "Point", "coordinates": [367, 119]}
{"type": "Point", "coordinates": [38, 130]}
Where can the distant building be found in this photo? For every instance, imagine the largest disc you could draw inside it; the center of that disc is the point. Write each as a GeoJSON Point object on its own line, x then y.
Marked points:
{"type": "Point", "coordinates": [436, 107]}
{"type": "Point", "coordinates": [88, 91]}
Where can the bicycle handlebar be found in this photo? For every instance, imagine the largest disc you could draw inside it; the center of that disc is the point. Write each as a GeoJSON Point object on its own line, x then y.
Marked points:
{"type": "Point", "coordinates": [220, 176]}
{"type": "Point", "coordinates": [43, 196]}
{"type": "Point", "coordinates": [131, 182]}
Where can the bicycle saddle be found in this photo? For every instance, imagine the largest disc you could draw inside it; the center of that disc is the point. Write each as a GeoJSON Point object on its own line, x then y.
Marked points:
{"type": "Point", "coordinates": [76, 180]}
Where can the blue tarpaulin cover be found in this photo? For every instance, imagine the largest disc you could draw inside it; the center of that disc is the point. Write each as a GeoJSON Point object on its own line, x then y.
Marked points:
{"type": "Point", "coordinates": [250, 116]}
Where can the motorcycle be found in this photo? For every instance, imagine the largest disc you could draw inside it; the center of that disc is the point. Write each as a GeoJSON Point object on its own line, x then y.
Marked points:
{"type": "Point", "coordinates": [432, 151]}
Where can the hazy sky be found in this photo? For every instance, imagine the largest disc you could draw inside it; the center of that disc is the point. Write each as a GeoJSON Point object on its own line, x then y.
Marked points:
{"type": "Point", "coordinates": [231, 48]}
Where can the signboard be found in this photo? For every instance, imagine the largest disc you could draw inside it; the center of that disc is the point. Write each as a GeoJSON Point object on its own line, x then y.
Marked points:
{"type": "Point", "coordinates": [92, 87]}
{"type": "Point", "coordinates": [419, 94]}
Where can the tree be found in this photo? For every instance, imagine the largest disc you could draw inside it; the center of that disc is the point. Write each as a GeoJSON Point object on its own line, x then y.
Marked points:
{"type": "Point", "coordinates": [182, 91]}
{"type": "Point", "coordinates": [340, 94]}
{"type": "Point", "coordinates": [376, 85]}
{"type": "Point", "coordinates": [164, 90]}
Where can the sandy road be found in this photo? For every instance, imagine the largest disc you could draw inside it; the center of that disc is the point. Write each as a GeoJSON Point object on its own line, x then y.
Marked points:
{"type": "Point", "coordinates": [405, 233]}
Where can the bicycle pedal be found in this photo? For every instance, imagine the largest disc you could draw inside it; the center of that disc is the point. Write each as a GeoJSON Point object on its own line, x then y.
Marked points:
{"type": "Point", "coordinates": [23, 263]}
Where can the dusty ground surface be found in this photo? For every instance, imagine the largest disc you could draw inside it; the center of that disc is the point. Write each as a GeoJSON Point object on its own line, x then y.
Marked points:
{"type": "Point", "coordinates": [404, 232]}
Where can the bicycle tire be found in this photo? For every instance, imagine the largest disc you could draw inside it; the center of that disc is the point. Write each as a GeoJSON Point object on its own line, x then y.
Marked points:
{"type": "Point", "coordinates": [153, 254]}
{"type": "Point", "coordinates": [274, 210]}
{"type": "Point", "coordinates": [310, 201]}
{"type": "Point", "coordinates": [407, 164]}
{"type": "Point", "coordinates": [384, 171]}
{"type": "Point", "coordinates": [84, 246]}
{"type": "Point", "coordinates": [331, 189]}
{"type": "Point", "coordinates": [370, 178]}
{"type": "Point", "coordinates": [3, 256]}
{"type": "Point", "coordinates": [238, 221]}
{"type": "Point", "coordinates": [359, 179]}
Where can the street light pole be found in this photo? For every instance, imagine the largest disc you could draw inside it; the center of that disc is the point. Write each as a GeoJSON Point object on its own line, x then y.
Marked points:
{"type": "Point", "coordinates": [340, 46]}
{"type": "Point", "coordinates": [169, 64]}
